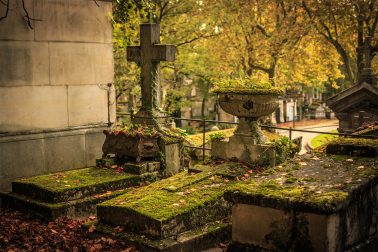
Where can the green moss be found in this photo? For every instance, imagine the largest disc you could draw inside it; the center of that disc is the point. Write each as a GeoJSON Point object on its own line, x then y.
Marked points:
{"type": "Point", "coordinates": [196, 140]}
{"type": "Point", "coordinates": [171, 140]}
{"type": "Point", "coordinates": [322, 139]}
{"type": "Point", "coordinates": [357, 142]}
{"type": "Point", "coordinates": [74, 179]}
{"type": "Point", "coordinates": [291, 180]}
{"type": "Point", "coordinates": [158, 203]}
{"type": "Point", "coordinates": [246, 86]}
{"type": "Point", "coordinates": [291, 194]}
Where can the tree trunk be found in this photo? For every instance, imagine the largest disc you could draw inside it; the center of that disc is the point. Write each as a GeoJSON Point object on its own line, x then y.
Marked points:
{"type": "Point", "coordinates": [272, 72]}
{"type": "Point", "coordinates": [360, 46]}
{"type": "Point", "coordinates": [346, 61]}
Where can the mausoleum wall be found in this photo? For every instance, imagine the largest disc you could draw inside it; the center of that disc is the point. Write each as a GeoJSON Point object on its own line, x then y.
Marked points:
{"type": "Point", "coordinates": [54, 94]}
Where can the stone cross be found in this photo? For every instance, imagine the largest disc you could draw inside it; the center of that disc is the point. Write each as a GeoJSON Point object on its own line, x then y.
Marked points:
{"type": "Point", "coordinates": [147, 56]}
{"type": "Point", "coordinates": [367, 74]}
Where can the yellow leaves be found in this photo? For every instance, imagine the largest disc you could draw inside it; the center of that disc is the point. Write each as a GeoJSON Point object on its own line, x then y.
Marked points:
{"type": "Point", "coordinates": [334, 85]}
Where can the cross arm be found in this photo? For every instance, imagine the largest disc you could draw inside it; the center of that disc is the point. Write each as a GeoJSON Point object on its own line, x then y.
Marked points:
{"type": "Point", "coordinates": [164, 52]}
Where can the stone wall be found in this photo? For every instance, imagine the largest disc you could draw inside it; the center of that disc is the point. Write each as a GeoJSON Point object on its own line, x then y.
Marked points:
{"type": "Point", "coordinates": [54, 94]}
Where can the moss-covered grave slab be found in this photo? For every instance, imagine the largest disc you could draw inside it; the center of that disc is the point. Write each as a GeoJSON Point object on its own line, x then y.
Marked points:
{"type": "Point", "coordinates": [315, 202]}
{"type": "Point", "coordinates": [354, 147]}
{"type": "Point", "coordinates": [70, 193]}
{"type": "Point", "coordinates": [174, 205]}
{"type": "Point", "coordinates": [74, 184]}
{"type": "Point", "coordinates": [197, 239]}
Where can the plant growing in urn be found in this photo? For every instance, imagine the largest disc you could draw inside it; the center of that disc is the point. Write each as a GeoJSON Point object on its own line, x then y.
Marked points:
{"type": "Point", "coordinates": [248, 100]}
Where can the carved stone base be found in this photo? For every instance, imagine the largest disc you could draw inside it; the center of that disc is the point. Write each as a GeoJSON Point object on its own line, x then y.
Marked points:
{"type": "Point", "coordinates": [151, 118]}
{"type": "Point", "coordinates": [244, 149]}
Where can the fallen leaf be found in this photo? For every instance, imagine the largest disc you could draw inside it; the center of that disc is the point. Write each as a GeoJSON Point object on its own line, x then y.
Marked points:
{"type": "Point", "coordinates": [92, 218]}
{"type": "Point", "coordinates": [91, 228]}
{"type": "Point", "coordinates": [349, 160]}
{"type": "Point", "coordinates": [361, 167]}
{"type": "Point", "coordinates": [302, 163]}
{"type": "Point", "coordinates": [110, 241]}
{"type": "Point", "coordinates": [182, 202]}
{"type": "Point", "coordinates": [118, 229]}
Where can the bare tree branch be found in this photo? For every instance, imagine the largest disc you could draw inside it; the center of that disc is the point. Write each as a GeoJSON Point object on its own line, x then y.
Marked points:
{"type": "Point", "coordinates": [196, 38]}
{"type": "Point", "coordinates": [263, 31]}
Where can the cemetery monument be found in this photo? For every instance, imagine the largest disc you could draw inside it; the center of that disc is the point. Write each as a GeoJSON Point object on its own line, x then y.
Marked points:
{"type": "Point", "coordinates": [358, 104]}
{"type": "Point", "coordinates": [154, 138]}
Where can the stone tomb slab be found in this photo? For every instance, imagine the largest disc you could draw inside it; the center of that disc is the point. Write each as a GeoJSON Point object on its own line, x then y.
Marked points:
{"type": "Point", "coordinates": [70, 192]}
{"type": "Point", "coordinates": [198, 239]}
{"type": "Point", "coordinates": [168, 207]}
{"type": "Point", "coordinates": [316, 202]}
{"type": "Point", "coordinates": [186, 212]}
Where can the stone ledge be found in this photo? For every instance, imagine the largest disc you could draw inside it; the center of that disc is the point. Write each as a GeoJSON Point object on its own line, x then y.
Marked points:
{"type": "Point", "coordinates": [50, 133]}
{"type": "Point", "coordinates": [73, 185]}
{"type": "Point", "coordinates": [75, 208]}
{"type": "Point", "coordinates": [196, 239]}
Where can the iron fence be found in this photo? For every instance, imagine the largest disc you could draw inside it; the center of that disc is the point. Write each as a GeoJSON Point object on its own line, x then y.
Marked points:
{"type": "Point", "coordinates": [290, 130]}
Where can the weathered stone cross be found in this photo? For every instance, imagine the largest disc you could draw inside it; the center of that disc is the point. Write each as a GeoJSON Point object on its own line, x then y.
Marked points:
{"type": "Point", "coordinates": [367, 74]}
{"type": "Point", "coordinates": [147, 56]}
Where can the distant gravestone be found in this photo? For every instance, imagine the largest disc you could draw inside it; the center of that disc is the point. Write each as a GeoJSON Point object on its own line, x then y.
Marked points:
{"type": "Point", "coordinates": [147, 56]}
{"type": "Point", "coordinates": [317, 112]}
{"type": "Point", "coordinates": [357, 105]}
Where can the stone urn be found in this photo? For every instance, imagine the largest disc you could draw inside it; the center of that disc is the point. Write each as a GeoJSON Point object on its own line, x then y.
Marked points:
{"type": "Point", "coordinates": [249, 108]}
{"type": "Point", "coordinates": [249, 102]}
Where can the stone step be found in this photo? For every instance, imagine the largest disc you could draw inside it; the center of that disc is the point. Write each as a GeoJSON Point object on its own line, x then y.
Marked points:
{"type": "Point", "coordinates": [196, 239]}
{"type": "Point", "coordinates": [73, 208]}
{"type": "Point", "coordinates": [169, 207]}
{"type": "Point", "coordinates": [74, 184]}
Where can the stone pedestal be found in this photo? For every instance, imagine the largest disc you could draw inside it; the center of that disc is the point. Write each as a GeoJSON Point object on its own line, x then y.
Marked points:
{"type": "Point", "coordinates": [249, 127]}
{"type": "Point", "coordinates": [138, 154]}
{"type": "Point", "coordinates": [244, 149]}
